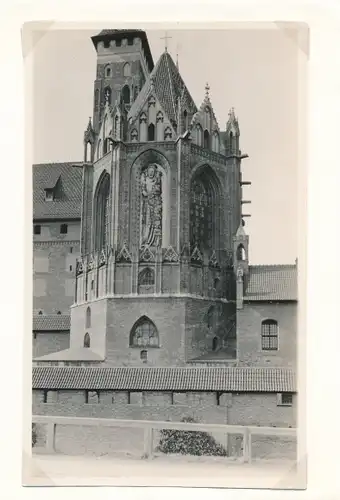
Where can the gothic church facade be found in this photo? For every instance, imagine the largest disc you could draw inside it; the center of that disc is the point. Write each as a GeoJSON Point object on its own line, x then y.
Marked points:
{"type": "Point", "coordinates": [160, 272]}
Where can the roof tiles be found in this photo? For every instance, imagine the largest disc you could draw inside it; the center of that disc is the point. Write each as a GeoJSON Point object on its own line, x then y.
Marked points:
{"type": "Point", "coordinates": [55, 322]}
{"type": "Point", "coordinates": [67, 204]}
{"type": "Point", "coordinates": [272, 283]}
{"type": "Point", "coordinates": [165, 379]}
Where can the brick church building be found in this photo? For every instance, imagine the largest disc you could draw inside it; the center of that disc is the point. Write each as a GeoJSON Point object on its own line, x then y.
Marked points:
{"type": "Point", "coordinates": [145, 303]}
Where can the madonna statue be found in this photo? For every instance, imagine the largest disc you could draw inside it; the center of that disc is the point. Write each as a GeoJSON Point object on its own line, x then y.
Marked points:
{"type": "Point", "coordinates": [151, 207]}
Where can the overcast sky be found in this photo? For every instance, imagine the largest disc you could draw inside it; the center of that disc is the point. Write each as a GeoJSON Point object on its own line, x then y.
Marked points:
{"type": "Point", "coordinates": [254, 71]}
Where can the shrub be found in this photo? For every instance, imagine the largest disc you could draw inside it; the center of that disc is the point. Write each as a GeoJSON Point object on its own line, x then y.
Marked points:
{"type": "Point", "coordinates": [34, 434]}
{"type": "Point", "coordinates": [189, 442]}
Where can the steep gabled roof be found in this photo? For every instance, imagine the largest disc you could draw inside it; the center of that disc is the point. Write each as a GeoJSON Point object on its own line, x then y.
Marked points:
{"type": "Point", "coordinates": [67, 204]}
{"type": "Point", "coordinates": [272, 283]}
{"type": "Point", "coordinates": [168, 87]}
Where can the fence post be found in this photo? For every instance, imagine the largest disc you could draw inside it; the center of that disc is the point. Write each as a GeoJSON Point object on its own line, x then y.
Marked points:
{"type": "Point", "coordinates": [148, 442]}
{"type": "Point", "coordinates": [50, 437]}
{"type": "Point", "coordinates": [246, 448]}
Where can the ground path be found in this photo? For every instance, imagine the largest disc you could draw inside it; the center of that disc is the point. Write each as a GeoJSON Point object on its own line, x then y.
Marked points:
{"type": "Point", "coordinates": [61, 470]}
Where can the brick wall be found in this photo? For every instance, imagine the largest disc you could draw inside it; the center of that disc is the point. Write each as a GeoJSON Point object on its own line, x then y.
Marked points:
{"type": "Point", "coordinates": [48, 342]}
{"type": "Point", "coordinates": [249, 347]}
{"type": "Point", "coordinates": [54, 262]}
{"type": "Point", "coordinates": [244, 409]}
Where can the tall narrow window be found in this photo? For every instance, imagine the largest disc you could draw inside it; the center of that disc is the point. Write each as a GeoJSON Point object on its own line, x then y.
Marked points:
{"type": "Point", "coordinates": [241, 253]}
{"type": "Point", "coordinates": [87, 340]}
{"type": "Point", "coordinates": [144, 333]}
{"type": "Point", "coordinates": [199, 135]}
{"type": "Point", "coordinates": [269, 334]}
{"type": "Point", "coordinates": [63, 228]}
{"type": "Point", "coordinates": [126, 94]}
{"type": "Point", "coordinates": [144, 356]}
{"type": "Point", "coordinates": [214, 343]}
{"type": "Point", "coordinates": [186, 120]}
{"type": "Point", "coordinates": [151, 132]}
{"type": "Point", "coordinates": [127, 70]}
{"type": "Point", "coordinates": [206, 139]}
{"type": "Point", "coordinates": [102, 213]}
{"type": "Point", "coordinates": [88, 318]}
{"type": "Point", "coordinates": [107, 72]}
{"type": "Point", "coordinates": [201, 213]}
{"type": "Point", "coordinates": [37, 229]}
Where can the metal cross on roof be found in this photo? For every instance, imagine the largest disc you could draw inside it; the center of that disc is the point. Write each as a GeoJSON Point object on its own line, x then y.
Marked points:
{"type": "Point", "coordinates": [166, 38]}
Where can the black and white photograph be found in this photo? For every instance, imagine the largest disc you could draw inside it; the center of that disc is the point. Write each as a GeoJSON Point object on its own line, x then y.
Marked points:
{"type": "Point", "coordinates": [166, 322]}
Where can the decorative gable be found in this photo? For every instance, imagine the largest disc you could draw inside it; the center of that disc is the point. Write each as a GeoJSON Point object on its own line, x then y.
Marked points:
{"type": "Point", "coordinates": [204, 128]}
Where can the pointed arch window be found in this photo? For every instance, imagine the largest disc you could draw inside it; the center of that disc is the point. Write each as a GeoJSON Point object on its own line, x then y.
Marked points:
{"type": "Point", "coordinates": [206, 139]}
{"type": "Point", "coordinates": [127, 70]}
{"type": "Point", "coordinates": [102, 213]}
{"type": "Point", "coordinates": [199, 135]}
{"type": "Point", "coordinates": [144, 333]}
{"type": "Point", "coordinates": [215, 142]}
{"type": "Point", "coordinates": [151, 132]}
{"type": "Point", "coordinates": [201, 213]}
{"type": "Point", "coordinates": [147, 277]}
{"type": "Point", "coordinates": [88, 318]}
{"type": "Point", "coordinates": [269, 335]}
{"type": "Point", "coordinates": [126, 94]}
{"type": "Point", "coordinates": [241, 253]}
{"type": "Point", "coordinates": [87, 340]}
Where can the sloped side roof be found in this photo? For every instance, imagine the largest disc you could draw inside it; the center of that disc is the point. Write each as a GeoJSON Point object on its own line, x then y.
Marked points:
{"type": "Point", "coordinates": [272, 283]}
{"type": "Point", "coordinates": [55, 322]}
{"type": "Point", "coordinates": [68, 203]}
{"type": "Point", "coordinates": [168, 85]}
{"type": "Point", "coordinates": [165, 379]}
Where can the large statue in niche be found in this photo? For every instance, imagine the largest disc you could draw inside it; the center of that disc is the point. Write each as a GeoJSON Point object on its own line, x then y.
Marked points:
{"type": "Point", "coordinates": [151, 207]}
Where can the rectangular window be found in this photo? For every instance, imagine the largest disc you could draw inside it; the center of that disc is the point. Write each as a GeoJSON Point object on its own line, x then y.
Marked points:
{"type": "Point", "coordinates": [71, 249]}
{"type": "Point", "coordinates": [285, 399]}
{"type": "Point", "coordinates": [63, 228]}
{"type": "Point", "coordinates": [37, 229]}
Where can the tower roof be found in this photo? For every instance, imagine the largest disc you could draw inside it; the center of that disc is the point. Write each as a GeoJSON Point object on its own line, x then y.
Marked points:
{"type": "Point", "coordinates": [168, 86]}
{"type": "Point", "coordinates": [107, 35]}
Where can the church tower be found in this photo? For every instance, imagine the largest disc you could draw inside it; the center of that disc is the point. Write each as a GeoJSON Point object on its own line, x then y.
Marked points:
{"type": "Point", "coordinates": [124, 62]}
{"type": "Point", "coordinates": [155, 282]}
